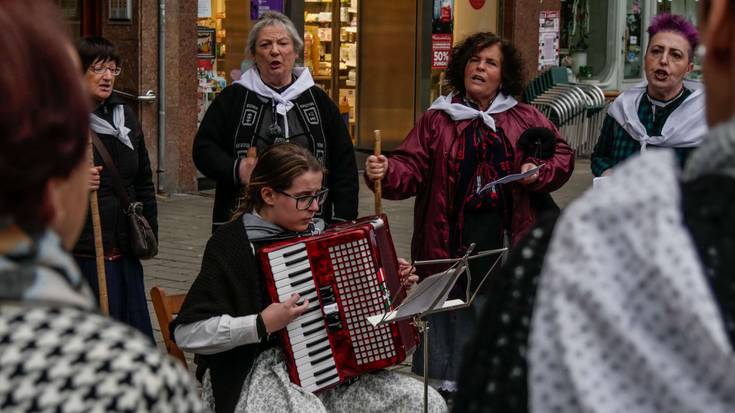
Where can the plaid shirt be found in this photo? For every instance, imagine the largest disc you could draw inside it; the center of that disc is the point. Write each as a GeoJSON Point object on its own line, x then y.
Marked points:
{"type": "Point", "coordinates": [615, 144]}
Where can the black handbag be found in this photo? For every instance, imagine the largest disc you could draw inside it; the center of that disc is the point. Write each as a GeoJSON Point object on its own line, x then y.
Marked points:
{"type": "Point", "coordinates": [143, 241]}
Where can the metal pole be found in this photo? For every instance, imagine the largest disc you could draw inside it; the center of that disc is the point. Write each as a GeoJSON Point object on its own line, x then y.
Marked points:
{"type": "Point", "coordinates": [426, 365]}
{"type": "Point", "coordinates": [161, 147]}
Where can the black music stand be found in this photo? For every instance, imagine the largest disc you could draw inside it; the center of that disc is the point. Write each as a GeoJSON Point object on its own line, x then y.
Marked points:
{"type": "Point", "coordinates": [430, 297]}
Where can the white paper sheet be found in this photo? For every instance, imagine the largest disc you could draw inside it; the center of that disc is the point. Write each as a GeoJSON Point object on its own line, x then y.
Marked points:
{"type": "Point", "coordinates": [511, 178]}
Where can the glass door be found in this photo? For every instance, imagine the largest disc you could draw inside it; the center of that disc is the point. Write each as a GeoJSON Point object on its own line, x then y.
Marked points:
{"type": "Point", "coordinates": [633, 41]}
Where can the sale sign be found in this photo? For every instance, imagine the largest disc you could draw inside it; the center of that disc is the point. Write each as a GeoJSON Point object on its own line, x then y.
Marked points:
{"type": "Point", "coordinates": [441, 33]}
{"type": "Point", "coordinates": [441, 45]}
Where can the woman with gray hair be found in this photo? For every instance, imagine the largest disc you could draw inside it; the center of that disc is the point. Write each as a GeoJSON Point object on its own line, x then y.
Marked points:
{"type": "Point", "coordinates": [274, 102]}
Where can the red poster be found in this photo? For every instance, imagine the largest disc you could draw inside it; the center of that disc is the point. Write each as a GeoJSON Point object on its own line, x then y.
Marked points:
{"type": "Point", "coordinates": [441, 45]}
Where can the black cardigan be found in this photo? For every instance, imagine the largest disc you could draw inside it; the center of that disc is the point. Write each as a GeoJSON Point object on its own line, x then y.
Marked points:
{"type": "Point", "coordinates": [134, 168]}
{"type": "Point", "coordinates": [214, 154]}
{"type": "Point", "coordinates": [229, 282]}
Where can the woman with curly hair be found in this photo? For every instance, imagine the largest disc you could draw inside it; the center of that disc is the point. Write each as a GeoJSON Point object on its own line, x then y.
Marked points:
{"type": "Point", "coordinates": [465, 140]}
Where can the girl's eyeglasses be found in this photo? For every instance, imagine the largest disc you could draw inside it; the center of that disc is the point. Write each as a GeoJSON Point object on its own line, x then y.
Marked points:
{"type": "Point", "coordinates": [304, 202]}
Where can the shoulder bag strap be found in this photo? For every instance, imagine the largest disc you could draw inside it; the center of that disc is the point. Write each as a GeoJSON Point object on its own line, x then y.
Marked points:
{"type": "Point", "coordinates": [117, 185]}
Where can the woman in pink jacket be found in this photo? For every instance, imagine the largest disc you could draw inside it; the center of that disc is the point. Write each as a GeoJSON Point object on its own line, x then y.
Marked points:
{"type": "Point", "coordinates": [465, 140]}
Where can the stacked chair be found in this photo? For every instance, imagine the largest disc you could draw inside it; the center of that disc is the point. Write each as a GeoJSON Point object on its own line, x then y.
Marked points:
{"type": "Point", "coordinates": [578, 110]}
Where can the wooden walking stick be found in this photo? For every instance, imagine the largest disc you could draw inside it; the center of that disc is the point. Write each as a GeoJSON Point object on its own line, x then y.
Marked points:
{"type": "Point", "coordinates": [99, 250]}
{"type": "Point", "coordinates": [378, 191]}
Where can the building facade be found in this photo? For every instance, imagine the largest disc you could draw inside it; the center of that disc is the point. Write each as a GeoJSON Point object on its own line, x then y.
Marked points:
{"type": "Point", "coordinates": [380, 60]}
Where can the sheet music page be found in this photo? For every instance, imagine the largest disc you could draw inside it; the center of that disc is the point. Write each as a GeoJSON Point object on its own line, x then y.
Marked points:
{"type": "Point", "coordinates": [511, 178]}
{"type": "Point", "coordinates": [429, 293]}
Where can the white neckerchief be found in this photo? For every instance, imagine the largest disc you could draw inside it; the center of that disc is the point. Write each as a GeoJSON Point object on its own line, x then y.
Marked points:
{"type": "Point", "coordinates": [458, 111]}
{"type": "Point", "coordinates": [118, 130]}
{"type": "Point", "coordinates": [684, 128]}
{"type": "Point", "coordinates": [624, 319]}
{"type": "Point", "coordinates": [284, 100]}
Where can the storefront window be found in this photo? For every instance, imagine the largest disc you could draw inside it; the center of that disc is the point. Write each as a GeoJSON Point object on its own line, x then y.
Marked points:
{"type": "Point", "coordinates": [330, 52]}
{"type": "Point", "coordinates": [211, 52]}
{"type": "Point", "coordinates": [587, 29]}
{"type": "Point", "coordinates": [633, 39]}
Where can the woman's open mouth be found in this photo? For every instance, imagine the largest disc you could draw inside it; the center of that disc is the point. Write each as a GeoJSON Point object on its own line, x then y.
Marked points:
{"type": "Point", "coordinates": [661, 74]}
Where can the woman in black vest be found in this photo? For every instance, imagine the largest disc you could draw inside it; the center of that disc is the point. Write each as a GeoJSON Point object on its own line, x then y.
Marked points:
{"type": "Point", "coordinates": [119, 131]}
{"type": "Point", "coordinates": [274, 102]}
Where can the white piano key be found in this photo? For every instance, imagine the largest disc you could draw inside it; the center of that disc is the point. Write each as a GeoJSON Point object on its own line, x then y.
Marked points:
{"type": "Point", "coordinates": [304, 365]}
{"type": "Point", "coordinates": [274, 255]}
{"type": "Point", "coordinates": [292, 262]}
{"type": "Point", "coordinates": [287, 281]}
{"type": "Point", "coordinates": [295, 271]}
{"type": "Point", "coordinates": [281, 271]}
{"type": "Point", "coordinates": [303, 349]}
{"type": "Point", "coordinates": [296, 323]}
{"type": "Point", "coordinates": [314, 387]}
{"type": "Point", "coordinates": [323, 370]}
{"type": "Point", "coordinates": [297, 335]}
{"type": "Point", "coordinates": [303, 289]}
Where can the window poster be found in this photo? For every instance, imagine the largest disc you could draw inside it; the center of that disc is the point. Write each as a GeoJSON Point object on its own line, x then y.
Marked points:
{"type": "Point", "coordinates": [258, 7]}
{"type": "Point", "coordinates": [548, 41]}
{"type": "Point", "coordinates": [441, 33]}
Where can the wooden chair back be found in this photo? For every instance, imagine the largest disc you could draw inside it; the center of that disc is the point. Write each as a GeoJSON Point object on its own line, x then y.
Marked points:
{"type": "Point", "coordinates": [166, 306]}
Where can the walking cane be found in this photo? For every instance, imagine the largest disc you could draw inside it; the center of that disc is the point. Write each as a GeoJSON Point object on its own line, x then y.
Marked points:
{"type": "Point", "coordinates": [99, 251]}
{"type": "Point", "coordinates": [378, 191]}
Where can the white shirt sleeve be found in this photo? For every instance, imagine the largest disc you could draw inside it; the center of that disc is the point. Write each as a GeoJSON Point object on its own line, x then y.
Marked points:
{"type": "Point", "coordinates": [217, 334]}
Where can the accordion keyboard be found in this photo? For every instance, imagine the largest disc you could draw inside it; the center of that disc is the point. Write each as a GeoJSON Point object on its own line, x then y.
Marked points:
{"type": "Point", "coordinates": [307, 333]}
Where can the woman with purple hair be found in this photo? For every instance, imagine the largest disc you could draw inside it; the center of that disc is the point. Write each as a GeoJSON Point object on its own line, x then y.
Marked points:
{"type": "Point", "coordinates": [665, 110]}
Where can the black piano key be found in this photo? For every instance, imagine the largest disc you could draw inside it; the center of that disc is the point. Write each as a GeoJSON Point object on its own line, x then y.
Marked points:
{"type": "Point", "coordinates": [324, 370]}
{"type": "Point", "coordinates": [305, 280]}
{"type": "Point", "coordinates": [314, 330]}
{"type": "Point", "coordinates": [294, 252]}
{"type": "Point", "coordinates": [319, 350]}
{"type": "Point", "coordinates": [320, 359]}
{"type": "Point", "coordinates": [316, 342]}
{"type": "Point", "coordinates": [299, 272]}
{"type": "Point", "coordinates": [310, 309]}
{"type": "Point", "coordinates": [310, 322]}
{"type": "Point", "coordinates": [295, 261]}
{"type": "Point", "coordinates": [326, 379]}
{"type": "Point", "coordinates": [307, 292]}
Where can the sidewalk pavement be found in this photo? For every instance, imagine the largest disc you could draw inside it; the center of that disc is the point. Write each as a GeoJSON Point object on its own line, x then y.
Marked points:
{"type": "Point", "coordinates": [184, 228]}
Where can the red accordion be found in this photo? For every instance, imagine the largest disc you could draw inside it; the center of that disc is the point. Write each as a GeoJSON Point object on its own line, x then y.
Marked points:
{"type": "Point", "coordinates": [347, 273]}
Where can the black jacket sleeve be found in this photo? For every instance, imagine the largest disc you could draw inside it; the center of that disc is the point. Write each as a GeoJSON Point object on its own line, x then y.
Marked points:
{"type": "Point", "coordinates": [342, 168]}
{"type": "Point", "coordinates": [213, 151]}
